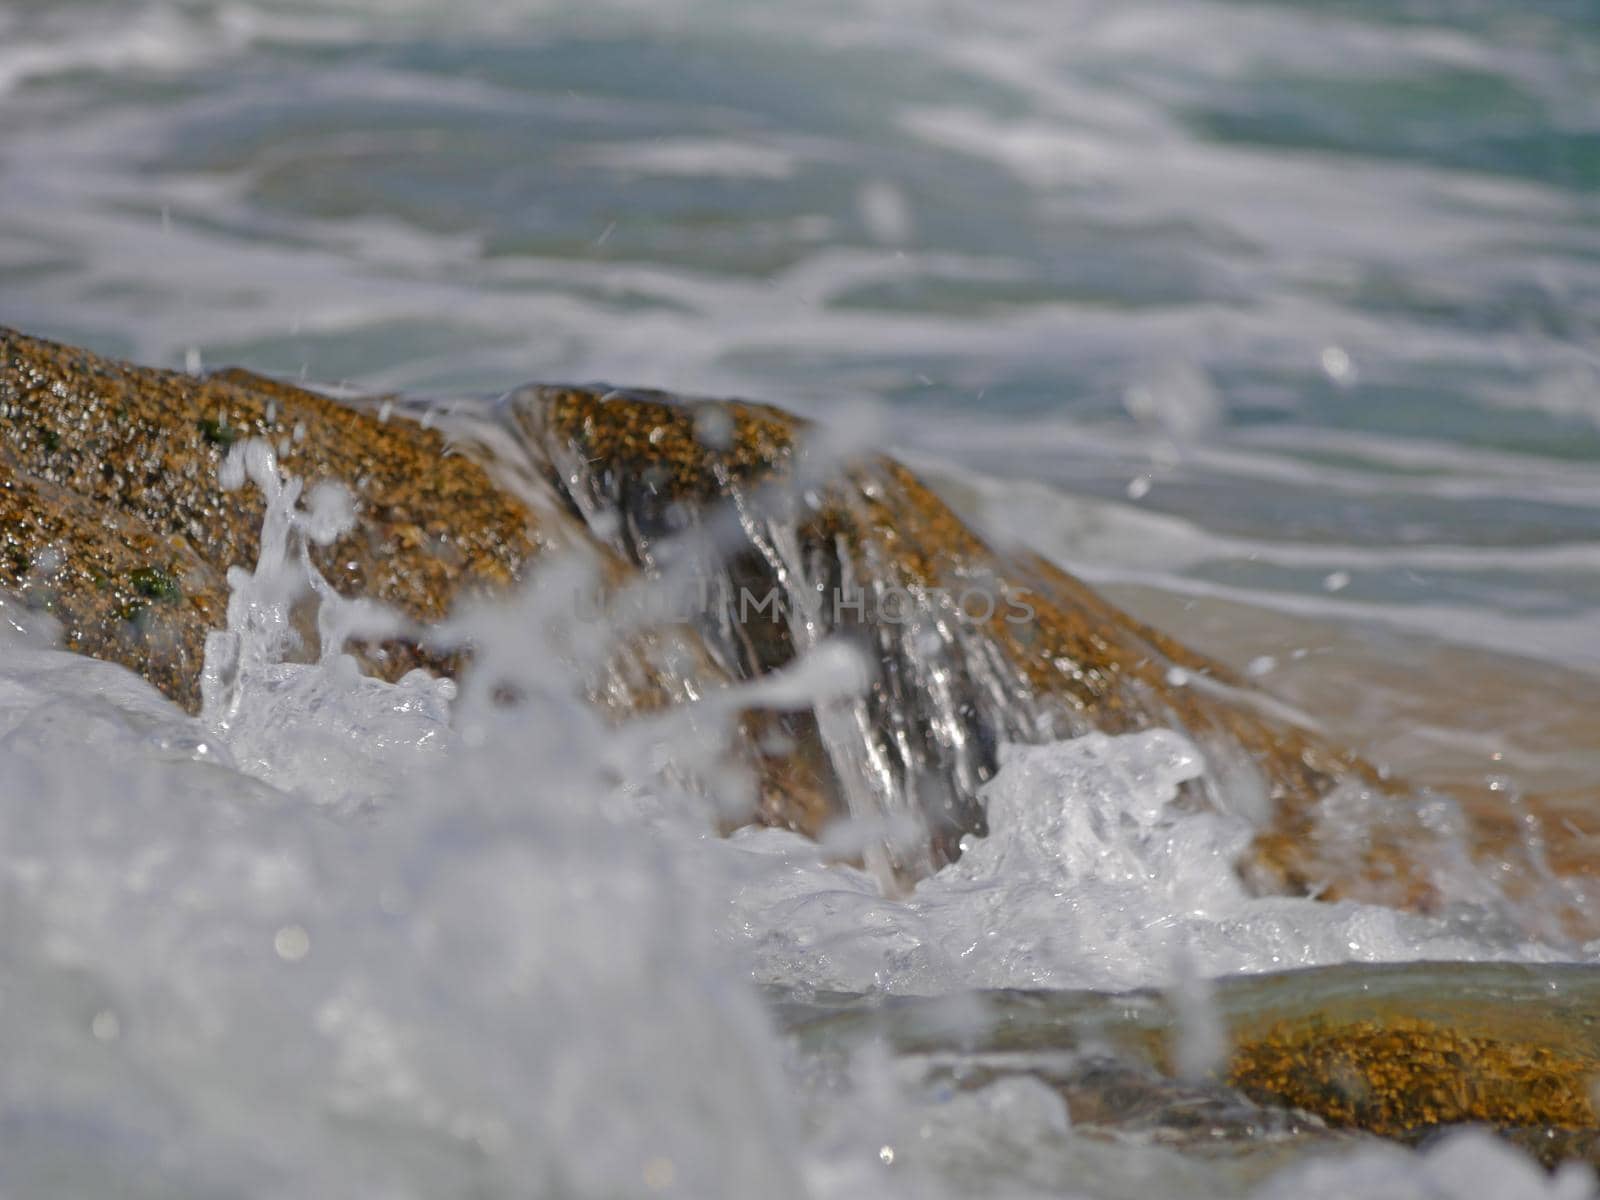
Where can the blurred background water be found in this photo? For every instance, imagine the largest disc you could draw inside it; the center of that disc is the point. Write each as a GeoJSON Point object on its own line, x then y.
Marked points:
{"type": "Point", "coordinates": [1320, 280]}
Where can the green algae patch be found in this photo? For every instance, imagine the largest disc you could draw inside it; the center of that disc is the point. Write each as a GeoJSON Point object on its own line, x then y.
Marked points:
{"type": "Point", "coordinates": [150, 585]}
{"type": "Point", "coordinates": [218, 432]}
{"type": "Point", "coordinates": [155, 584]}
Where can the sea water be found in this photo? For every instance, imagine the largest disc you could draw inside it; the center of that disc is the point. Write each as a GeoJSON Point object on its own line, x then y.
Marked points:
{"type": "Point", "coordinates": [1277, 320]}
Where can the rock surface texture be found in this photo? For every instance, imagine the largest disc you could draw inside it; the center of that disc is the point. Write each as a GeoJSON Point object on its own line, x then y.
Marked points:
{"type": "Point", "coordinates": [1403, 1050]}
{"type": "Point", "coordinates": [111, 518]}
{"type": "Point", "coordinates": [111, 515]}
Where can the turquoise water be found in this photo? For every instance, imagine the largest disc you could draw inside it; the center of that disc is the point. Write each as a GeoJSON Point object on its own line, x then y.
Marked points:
{"type": "Point", "coordinates": [1348, 254]}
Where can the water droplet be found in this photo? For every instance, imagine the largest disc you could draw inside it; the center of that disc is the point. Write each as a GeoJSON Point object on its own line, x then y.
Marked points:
{"type": "Point", "coordinates": [1178, 400]}
{"type": "Point", "coordinates": [1338, 365]}
{"type": "Point", "coordinates": [659, 1174]}
{"type": "Point", "coordinates": [292, 943]}
{"type": "Point", "coordinates": [713, 428]}
{"type": "Point", "coordinates": [885, 212]}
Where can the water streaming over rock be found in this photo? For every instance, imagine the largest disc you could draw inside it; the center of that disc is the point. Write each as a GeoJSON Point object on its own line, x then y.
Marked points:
{"type": "Point", "coordinates": [777, 536]}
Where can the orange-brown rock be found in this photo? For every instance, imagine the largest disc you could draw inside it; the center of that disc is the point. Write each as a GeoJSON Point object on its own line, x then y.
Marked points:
{"type": "Point", "coordinates": [1402, 1050]}
{"type": "Point", "coordinates": [112, 519]}
{"type": "Point", "coordinates": [1020, 649]}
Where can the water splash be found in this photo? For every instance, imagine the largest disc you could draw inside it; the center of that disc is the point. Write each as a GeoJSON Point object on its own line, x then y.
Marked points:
{"type": "Point", "coordinates": [1094, 874]}
{"type": "Point", "coordinates": [521, 963]}
{"type": "Point", "coordinates": [321, 727]}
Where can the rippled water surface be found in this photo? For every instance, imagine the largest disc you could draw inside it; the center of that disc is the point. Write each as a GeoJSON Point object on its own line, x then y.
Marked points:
{"type": "Point", "coordinates": [1344, 254]}
{"type": "Point", "coordinates": [1280, 320]}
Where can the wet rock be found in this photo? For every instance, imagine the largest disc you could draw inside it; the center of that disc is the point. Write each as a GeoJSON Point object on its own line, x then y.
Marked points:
{"type": "Point", "coordinates": [115, 522]}
{"type": "Point", "coordinates": [1403, 1051]}
{"type": "Point", "coordinates": [118, 589]}
{"type": "Point", "coordinates": [113, 519]}
{"type": "Point", "coordinates": [973, 647]}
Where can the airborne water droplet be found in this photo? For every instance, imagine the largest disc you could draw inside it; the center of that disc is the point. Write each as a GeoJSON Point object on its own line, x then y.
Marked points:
{"type": "Point", "coordinates": [292, 943]}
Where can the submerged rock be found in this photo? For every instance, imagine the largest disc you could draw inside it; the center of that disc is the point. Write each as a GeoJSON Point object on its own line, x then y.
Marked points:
{"type": "Point", "coordinates": [1405, 1051]}
{"type": "Point", "coordinates": [113, 521]}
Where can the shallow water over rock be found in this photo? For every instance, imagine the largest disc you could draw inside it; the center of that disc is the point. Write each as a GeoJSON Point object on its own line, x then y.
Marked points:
{"type": "Point", "coordinates": [1504, 1046]}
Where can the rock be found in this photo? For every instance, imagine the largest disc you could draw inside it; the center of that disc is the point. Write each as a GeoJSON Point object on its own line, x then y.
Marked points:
{"type": "Point", "coordinates": [1405, 1051]}
{"type": "Point", "coordinates": [973, 646]}
{"type": "Point", "coordinates": [114, 521]}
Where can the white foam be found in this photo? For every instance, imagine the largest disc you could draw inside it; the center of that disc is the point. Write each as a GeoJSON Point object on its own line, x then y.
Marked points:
{"type": "Point", "coordinates": [695, 157]}
{"type": "Point", "coordinates": [217, 983]}
{"type": "Point", "coordinates": [1091, 877]}
{"type": "Point", "coordinates": [1462, 1165]}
